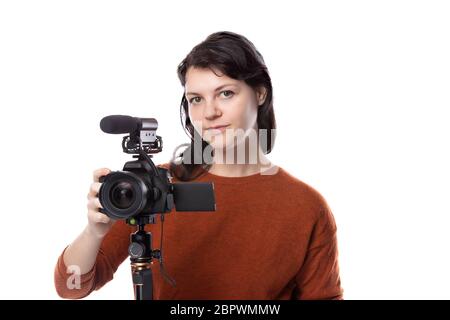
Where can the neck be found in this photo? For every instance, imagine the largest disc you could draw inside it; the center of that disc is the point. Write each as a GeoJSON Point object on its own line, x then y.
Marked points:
{"type": "Point", "coordinates": [239, 169]}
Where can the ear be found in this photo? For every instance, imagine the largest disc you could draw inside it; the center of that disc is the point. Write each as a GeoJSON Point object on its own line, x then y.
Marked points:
{"type": "Point", "coordinates": [261, 94]}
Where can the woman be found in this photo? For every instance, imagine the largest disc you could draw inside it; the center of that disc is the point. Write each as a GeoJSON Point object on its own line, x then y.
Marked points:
{"type": "Point", "coordinates": [272, 236]}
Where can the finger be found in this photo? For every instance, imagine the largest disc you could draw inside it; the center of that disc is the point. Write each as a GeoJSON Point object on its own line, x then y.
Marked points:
{"type": "Point", "coordinates": [94, 204]}
{"type": "Point", "coordinates": [98, 217]}
{"type": "Point", "coordinates": [94, 189]}
{"type": "Point", "coordinates": [100, 172]}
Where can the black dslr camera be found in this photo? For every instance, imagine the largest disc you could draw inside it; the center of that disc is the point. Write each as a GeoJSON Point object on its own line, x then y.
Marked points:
{"type": "Point", "coordinates": [142, 189]}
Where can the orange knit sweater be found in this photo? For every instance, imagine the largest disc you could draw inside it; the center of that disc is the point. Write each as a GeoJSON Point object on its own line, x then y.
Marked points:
{"type": "Point", "coordinates": [271, 237]}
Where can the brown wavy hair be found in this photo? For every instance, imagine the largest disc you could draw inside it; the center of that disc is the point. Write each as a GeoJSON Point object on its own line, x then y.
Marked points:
{"type": "Point", "coordinates": [235, 56]}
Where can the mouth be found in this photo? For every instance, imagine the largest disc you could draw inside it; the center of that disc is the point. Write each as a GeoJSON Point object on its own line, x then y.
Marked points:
{"type": "Point", "coordinates": [217, 129]}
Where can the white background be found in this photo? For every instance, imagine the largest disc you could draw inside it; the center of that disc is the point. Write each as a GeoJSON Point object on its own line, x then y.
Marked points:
{"type": "Point", "coordinates": [361, 98]}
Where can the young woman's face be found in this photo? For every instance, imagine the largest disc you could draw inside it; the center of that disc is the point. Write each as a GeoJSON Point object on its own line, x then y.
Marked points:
{"type": "Point", "coordinates": [221, 101]}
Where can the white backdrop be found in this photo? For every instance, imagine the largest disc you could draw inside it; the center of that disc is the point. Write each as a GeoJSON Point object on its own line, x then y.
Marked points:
{"type": "Point", "coordinates": [362, 102]}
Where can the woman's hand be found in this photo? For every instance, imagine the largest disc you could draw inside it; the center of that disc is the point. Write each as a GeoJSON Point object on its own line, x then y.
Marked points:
{"type": "Point", "coordinates": [98, 223]}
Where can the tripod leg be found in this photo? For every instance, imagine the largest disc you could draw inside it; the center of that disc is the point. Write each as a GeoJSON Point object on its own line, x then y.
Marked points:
{"type": "Point", "coordinates": [142, 281]}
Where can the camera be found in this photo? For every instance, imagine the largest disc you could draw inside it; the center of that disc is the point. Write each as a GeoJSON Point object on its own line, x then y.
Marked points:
{"type": "Point", "coordinates": [141, 189]}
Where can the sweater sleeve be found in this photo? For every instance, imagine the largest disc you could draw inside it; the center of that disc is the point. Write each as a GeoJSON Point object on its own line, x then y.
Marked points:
{"type": "Point", "coordinates": [318, 277]}
{"type": "Point", "coordinates": [113, 251]}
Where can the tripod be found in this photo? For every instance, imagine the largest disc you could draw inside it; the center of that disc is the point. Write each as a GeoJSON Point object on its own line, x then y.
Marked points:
{"type": "Point", "coordinates": [141, 255]}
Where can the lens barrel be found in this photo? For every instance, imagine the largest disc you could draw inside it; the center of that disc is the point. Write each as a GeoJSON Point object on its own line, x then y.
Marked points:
{"type": "Point", "coordinates": [123, 194]}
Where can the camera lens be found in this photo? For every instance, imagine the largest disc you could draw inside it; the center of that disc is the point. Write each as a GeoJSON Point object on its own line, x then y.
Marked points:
{"type": "Point", "coordinates": [122, 195]}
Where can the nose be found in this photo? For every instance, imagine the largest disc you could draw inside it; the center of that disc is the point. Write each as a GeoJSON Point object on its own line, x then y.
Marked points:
{"type": "Point", "coordinates": [212, 111]}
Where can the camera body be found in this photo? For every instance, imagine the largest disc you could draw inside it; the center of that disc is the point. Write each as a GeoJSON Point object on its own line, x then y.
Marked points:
{"type": "Point", "coordinates": [141, 189]}
{"type": "Point", "coordinates": [136, 191]}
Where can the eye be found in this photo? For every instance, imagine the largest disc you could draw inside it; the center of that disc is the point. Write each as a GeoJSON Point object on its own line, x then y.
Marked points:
{"type": "Point", "coordinates": [227, 93]}
{"type": "Point", "coordinates": [195, 100]}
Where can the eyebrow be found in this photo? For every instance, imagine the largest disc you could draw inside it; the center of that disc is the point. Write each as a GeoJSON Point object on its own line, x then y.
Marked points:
{"type": "Point", "coordinates": [215, 90]}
